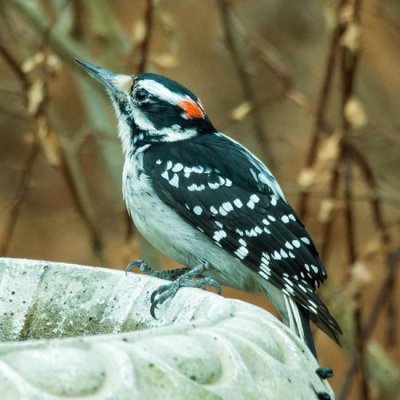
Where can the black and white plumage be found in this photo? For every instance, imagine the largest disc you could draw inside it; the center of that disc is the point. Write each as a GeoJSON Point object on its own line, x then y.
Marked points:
{"type": "Point", "coordinates": [203, 199]}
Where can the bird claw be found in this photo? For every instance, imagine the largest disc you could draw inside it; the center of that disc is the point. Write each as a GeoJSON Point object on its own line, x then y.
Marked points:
{"type": "Point", "coordinates": [148, 270]}
{"type": "Point", "coordinates": [141, 265]}
{"type": "Point", "coordinates": [164, 292]}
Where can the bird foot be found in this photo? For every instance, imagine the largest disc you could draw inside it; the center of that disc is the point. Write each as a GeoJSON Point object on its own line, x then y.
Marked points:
{"type": "Point", "coordinates": [169, 275]}
{"type": "Point", "coordinates": [164, 292]}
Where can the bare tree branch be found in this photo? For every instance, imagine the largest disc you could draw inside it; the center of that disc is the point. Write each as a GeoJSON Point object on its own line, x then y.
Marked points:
{"type": "Point", "coordinates": [244, 78]}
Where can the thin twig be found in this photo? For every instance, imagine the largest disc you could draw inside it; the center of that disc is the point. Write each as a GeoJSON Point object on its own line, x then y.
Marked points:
{"type": "Point", "coordinates": [369, 177]}
{"type": "Point", "coordinates": [27, 168]}
{"type": "Point", "coordinates": [68, 164]}
{"type": "Point", "coordinates": [244, 78]}
{"type": "Point", "coordinates": [19, 198]}
{"type": "Point", "coordinates": [15, 67]}
{"type": "Point", "coordinates": [270, 56]}
{"type": "Point", "coordinates": [328, 224]}
{"type": "Point", "coordinates": [145, 44]}
{"type": "Point", "coordinates": [349, 62]}
{"type": "Point", "coordinates": [77, 19]}
{"type": "Point", "coordinates": [319, 122]}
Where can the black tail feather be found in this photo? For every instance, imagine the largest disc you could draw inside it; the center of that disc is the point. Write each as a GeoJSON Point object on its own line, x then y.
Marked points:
{"type": "Point", "coordinates": [305, 323]}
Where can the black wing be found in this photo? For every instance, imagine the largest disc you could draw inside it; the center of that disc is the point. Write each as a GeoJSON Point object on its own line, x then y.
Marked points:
{"type": "Point", "coordinates": [220, 188]}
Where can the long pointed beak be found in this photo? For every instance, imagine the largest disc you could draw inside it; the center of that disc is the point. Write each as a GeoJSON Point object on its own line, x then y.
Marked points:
{"type": "Point", "coordinates": [113, 82]}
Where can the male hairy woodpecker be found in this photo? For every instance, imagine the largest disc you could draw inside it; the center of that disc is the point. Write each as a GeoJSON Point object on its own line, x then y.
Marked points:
{"type": "Point", "coordinates": [207, 202]}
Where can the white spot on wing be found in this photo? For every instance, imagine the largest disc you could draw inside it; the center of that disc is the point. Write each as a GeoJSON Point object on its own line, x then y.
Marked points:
{"type": "Point", "coordinates": [285, 219]}
{"type": "Point", "coordinates": [288, 245]}
{"type": "Point", "coordinates": [197, 210]}
{"type": "Point", "coordinates": [165, 175]}
{"type": "Point", "coordinates": [250, 204]}
{"type": "Point", "coordinates": [218, 235]}
{"type": "Point", "coordinates": [174, 181]}
{"type": "Point", "coordinates": [242, 252]}
{"type": "Point", "coordinates": [254, 198]}
{"type": "Point", "coordinates": [214, 185]}
{"type": "Point", "coordinates": [177, 167]}
{"type": "Point", "coordinates": [315, 269]}
{"type": "Point", "coordinates": [228, 182]}
{"type": "Point", "coordinates": [227, 206]}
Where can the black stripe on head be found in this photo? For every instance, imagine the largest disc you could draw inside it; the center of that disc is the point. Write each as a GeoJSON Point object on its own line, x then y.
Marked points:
{"type": "Point", "coordinates": [170, 84]}
{"type": "Point", "coordinates": [165, 115]}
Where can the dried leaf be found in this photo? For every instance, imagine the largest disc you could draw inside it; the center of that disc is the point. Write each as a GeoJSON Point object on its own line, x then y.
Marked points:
{"type": "Point", "coordinates": [346, 14]}
{"type": "Point", "coordinates": [374, 248]}
{"type": "Point", "coordinates": [138, 32]}
{"type": "Point", "coordinates": [49, 142]}
{"type": "Point", "coordinates": [299, 98]}
{"type": "Point", "coordinates": [165, 60]}
{"type": "Point", "coordinates": [360, 277]}
{"type": "Point", "coordinates": [35, 96]}
{"type": "Point", "coordinates": [355, 113]}
{"type": "Point", "coordinates": [54, 64]}
{"type": "Point", "coordinates": [32, 62]}
{"type": "Point", "coordinates": [326, 210]}
{"type": "Point", "coordinates": [306, 178]}
{"type": "Point", "coordinates": [330, 147]}
{"type": "Point", "coordinates": [351, 37]}
{"type": "Point", "coordinates": [239, 112]}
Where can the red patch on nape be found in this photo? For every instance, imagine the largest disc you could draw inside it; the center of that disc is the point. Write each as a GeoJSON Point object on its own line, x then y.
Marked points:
{"type": "Point", "coordinates": [191, 108]}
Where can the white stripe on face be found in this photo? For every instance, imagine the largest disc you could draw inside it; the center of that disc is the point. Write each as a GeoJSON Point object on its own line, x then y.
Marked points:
{"type": "Point", "coordinates": [160, 91]}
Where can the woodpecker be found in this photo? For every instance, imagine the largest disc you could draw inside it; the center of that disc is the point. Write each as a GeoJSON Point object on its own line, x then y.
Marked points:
{"type": "Point", "coordinates": [207, 202]}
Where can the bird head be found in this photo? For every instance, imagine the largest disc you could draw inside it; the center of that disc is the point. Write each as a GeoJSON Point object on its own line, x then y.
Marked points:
{"type": "Point", "coordinates": [151, 108]}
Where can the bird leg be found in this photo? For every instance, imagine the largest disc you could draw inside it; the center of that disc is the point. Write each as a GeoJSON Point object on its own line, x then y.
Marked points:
{"type": "Point", "coordinates": [169, 275]}
{"type": "Point", "coordinates": [164, 292]}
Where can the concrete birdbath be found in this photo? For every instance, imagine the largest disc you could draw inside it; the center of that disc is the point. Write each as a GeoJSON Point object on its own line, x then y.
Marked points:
{"type": "Point", "coordinates": [75, 332]}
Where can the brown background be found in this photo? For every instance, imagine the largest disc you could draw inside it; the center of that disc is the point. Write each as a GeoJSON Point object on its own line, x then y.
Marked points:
{"type": "Point", "coordinates": [281, 50]}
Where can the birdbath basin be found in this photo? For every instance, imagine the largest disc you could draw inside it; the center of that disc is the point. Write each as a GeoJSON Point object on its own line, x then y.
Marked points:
{"type": "Point", "coordinates": [71, 331]}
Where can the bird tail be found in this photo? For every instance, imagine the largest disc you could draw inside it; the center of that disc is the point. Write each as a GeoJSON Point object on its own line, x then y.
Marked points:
{"type": "Point", "coordinates": [298, 321]}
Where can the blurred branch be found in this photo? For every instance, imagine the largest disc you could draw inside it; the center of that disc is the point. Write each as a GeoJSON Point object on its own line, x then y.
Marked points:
{"type": "Point", "coordinates": [15, 67]}
{"type": "Point", "coordinates": [370, 196]}
{"type": "Point", "coordinates": [320, 125]}
{"type": "Point", "coordinates": [92, 97]}
{"type": "Point", "coordinates": [344, 47]}
{"type": "Point", "coordinates": [332, 196]}
{"type": "Point", "coordinates": [36, 100]}
{"type": "Point", "coordinates": [144, 49]}
{"type": "Point", "coordinates": [349, 57]}
{"type": "Point", "coordinates": [77, 19]}
{"type": "Point", "coordinates": [19, 198]}
{"type": "Point", "coordinates": [26, 171]}
{"type": "Point", "coordinates": [75, 179]}
{"type": "Point", "coordinates": [101, 18]}
{"type": "Point", "coordinates": [270, 56]}
{"type": "Point", "coordinates": [244, 78]}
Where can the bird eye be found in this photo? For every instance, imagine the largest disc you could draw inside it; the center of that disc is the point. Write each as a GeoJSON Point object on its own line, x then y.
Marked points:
{"type": "Point", "coordinates": [141, 95]}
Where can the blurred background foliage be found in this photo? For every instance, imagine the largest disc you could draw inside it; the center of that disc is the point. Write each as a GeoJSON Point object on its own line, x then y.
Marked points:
{"type": "Point", "coordinates": [311, 86]}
